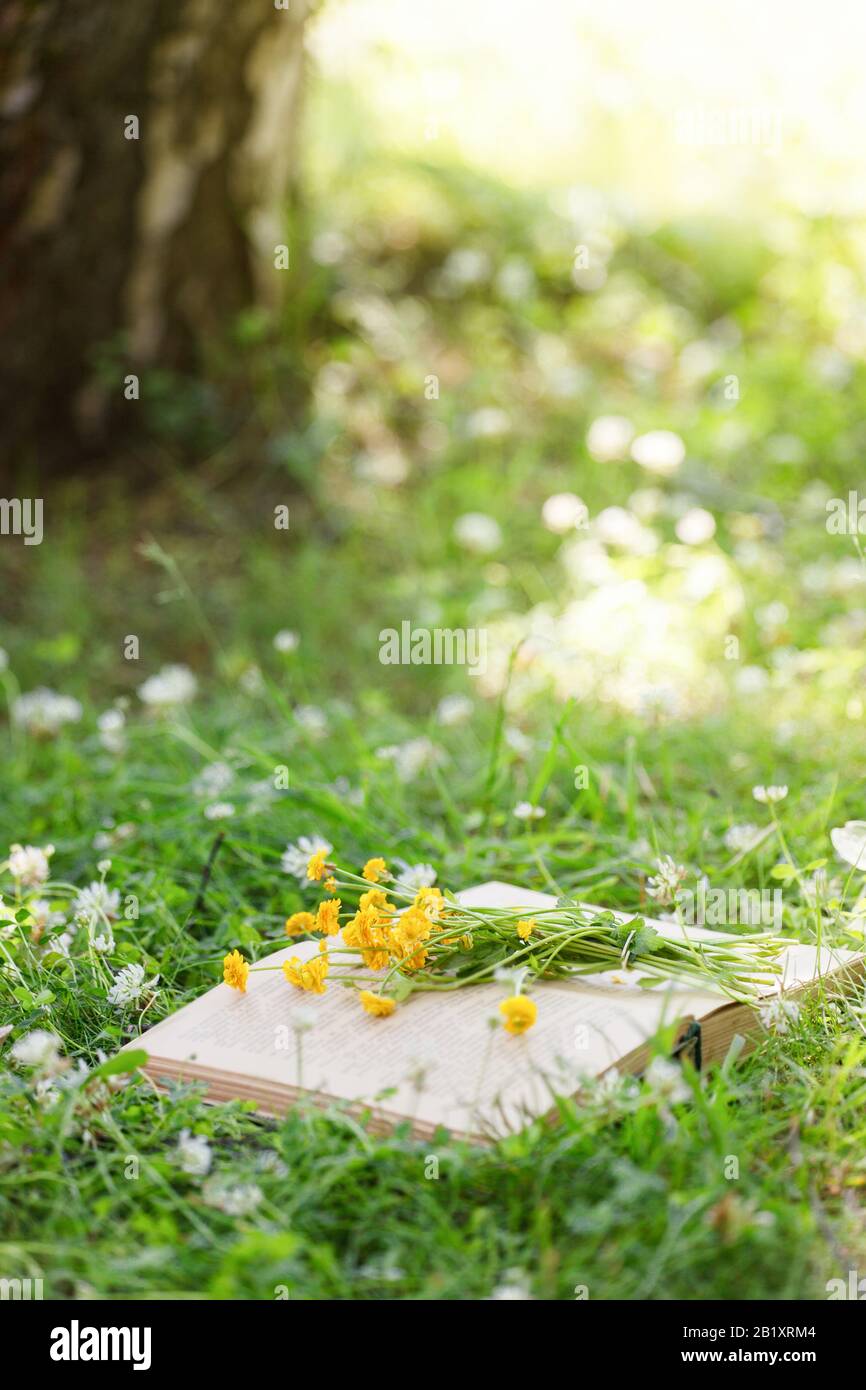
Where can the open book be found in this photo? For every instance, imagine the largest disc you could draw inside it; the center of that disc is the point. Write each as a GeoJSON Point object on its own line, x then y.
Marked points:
{"type": "Point", "coordinates": [437, 1061]}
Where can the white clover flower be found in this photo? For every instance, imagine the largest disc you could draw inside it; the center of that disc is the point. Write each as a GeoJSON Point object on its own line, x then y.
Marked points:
{"type": "Point", "coordinates": [616, 526]}
{"type": "Point", "coordinates": [563, 512]}
{"type": "Point", "coordinates": [779, 1015]}
{"type": "Point", "coordinates": [608, 438]}
{"type": "Point", "coordinates": [696, 526]}
{"type": "Point", "coordinates": [251, 681]}
{"type": "Point", "coordinates": [172, 686]}
{"type": "Point", "coordinates": [666, 1081]}
{"type": "Point", "coordinates": [519, 742]}
{"type": "Point", "coordinates": [478, 533]}
{"type": "Point", "coordinates": [104, 942]}
{"type": "Point", "coordinates": [213, 780]}
{"type": "Point", "coordinates": [111, 725]}
{"type": "Point", "coordinates": [194, 1154]}
{"type": "Point", "coordinates": [39, 1049]}
{"type": "Point", "coordinates": [219, 810]}
{"type": "Point", "coordinates": [43, 712]}
{"type": "Point", "coordinates": [240, 1199]}
{"type": "Point", "coordinates": [488, 423]}
{"type": "Point", "coordinates": [286, 641]}
{"type": "Point", "coordinates": [524, 810]}
{"type": "Point", "coordinates": [29, 865]}
{"type": "Point", "coordinates": [740, 837]}
{"type": "Point", "coordinates": [514, 1289]}
{"type": "Point", "coordinates": [129, 985]}
{"type": "Point", "coordinates": [411, 877]}
{"type": "Point", "coordinates": [60, 944]}
{"type": "Point", "coordinates": [849, 842]}
{"type": "Point", "coordinates": [415, 756]}
{"type": "Point", "coordinates": [97, 900]}
{"type": "Point", "coordinates": [44, 916]}
{"type": "Point", "coordinates": [664, 885]}
{"type": "Point", "coordinates": [312, 720]}
{"type": "Point", "coordinates": [769, 794]}
{"type": "Point", "coordinates": [296, 857]}
{"type": "Point", "coordinates": [659, 451]}
{"type": "Point", "coordinates": [454, 709]}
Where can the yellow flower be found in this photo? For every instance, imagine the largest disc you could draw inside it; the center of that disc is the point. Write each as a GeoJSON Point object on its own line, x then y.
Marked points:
{"type": "Point", "coordinates": [235, 971]}
{"type": "Point", "coordinates": [300, 922]}
{"type": "Point", "coordinates": [378, 898]}
{"type": "Point", "coordinates": [377, 1004]}
{"type": "Point", "coordinates": [316, 866]}
{"type": "Point", "coordinates": [309, 974]}
{"type": "Point", "coordinates": [365, 932]}
{"type": "Point", "coordinates": [519, 1012]}
{"type": "Point", "coordinates": [526, 928]}
{"type": "Point", "coordinates": [374, 869]}
{"type": "Point", "coordinates": [328, 917]}
{"type": "Point", "coordinates": [331, 884]}
{"type": "Point", "coordinates": [431, 902]}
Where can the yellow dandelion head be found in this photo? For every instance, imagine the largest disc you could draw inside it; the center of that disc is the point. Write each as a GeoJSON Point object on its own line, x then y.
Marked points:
{"type": "Point", "coordinates": [235, 971]}
{"type": "Point", "coordinates": [379, 1005]}
{"type": "Point", "coordinates": [316, 865]}
{"type": "Point", "coordinates": [374, 869]}
{"type": "Point", "coordinates": [300, 922]}
{"type": "Point", "coordinates": [328, 917]}
{"type": "Point", "coordinates": [519, 1013]}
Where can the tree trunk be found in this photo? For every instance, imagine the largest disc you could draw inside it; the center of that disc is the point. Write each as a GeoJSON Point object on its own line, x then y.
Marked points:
{"type": "Point", "coordinates": [120, 254]}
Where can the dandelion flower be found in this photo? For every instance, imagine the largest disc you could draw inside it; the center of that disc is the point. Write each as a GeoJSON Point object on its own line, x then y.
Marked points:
{"type": "Point", "coordinates": [519, 1013]}
{"type": "Point", "coordinates": [235, 971]}
{"type": "Point", "coordinates": [526, 928]}
{"type": "Point", "coordinates": [316, 865]}
{"type": "Point", "coordinates": [309, 975]}
{"type": "Point", "coordinates": [300, 922]}
{"type": "Point", "coordinates": [379, 1005]}
{"type": "Point", "coordinates": [374, 869]}
{"type": "Point", "coordinates": [328, 917]}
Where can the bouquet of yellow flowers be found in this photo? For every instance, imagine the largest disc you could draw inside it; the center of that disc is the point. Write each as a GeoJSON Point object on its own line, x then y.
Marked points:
{"type": "Point", "coordinates": [403, 942]}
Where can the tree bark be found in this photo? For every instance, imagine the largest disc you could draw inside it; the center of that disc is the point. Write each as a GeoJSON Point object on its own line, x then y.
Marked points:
{"type": "Point", "coordinates": [123, 254]}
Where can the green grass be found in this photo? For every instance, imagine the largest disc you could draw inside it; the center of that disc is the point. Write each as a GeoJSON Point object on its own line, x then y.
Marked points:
{"type": "Point", "coordinates": [626, 1196]}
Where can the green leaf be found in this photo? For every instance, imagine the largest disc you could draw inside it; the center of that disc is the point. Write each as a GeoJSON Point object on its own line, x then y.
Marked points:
{"type": "Point", "coordinates": [120, 1065]}
{"type": "Point", "coordinates": [783, 872]}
